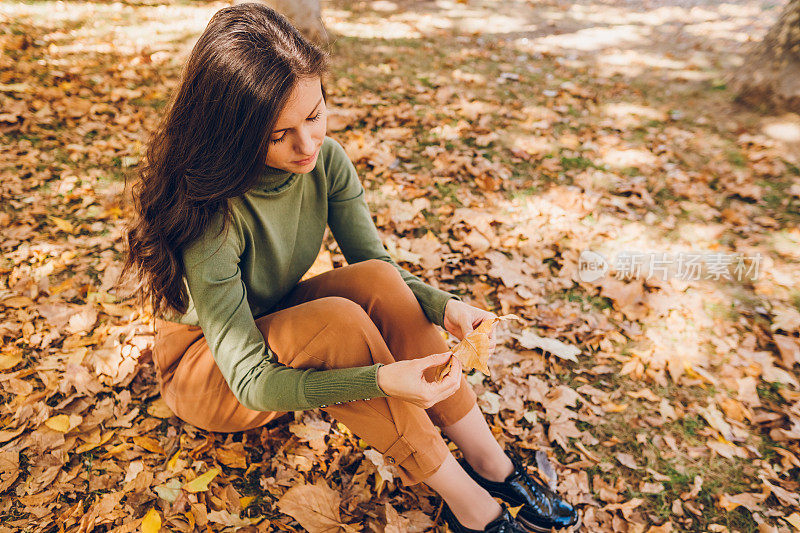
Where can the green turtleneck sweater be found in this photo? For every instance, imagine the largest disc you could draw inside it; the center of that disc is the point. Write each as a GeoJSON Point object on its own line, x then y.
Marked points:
{"type": "Point", "coordinates": [274, 238]}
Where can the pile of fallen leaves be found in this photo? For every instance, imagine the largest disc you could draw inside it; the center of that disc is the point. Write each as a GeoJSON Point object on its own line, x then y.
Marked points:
{"type": "Point", "coordinates": [491, 162]}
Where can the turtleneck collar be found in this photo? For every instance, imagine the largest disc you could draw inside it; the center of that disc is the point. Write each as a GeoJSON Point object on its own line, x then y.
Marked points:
{"type": "Point", "coordinates": [274, 179]}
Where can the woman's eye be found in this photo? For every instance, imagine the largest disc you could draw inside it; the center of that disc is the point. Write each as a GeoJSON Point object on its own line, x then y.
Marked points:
{"type": "Point", "coordinates": [312, 119]}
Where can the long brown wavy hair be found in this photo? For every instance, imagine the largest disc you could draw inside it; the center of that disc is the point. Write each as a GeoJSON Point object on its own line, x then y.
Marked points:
{"type": "Point", "coordinates": [212, 142]}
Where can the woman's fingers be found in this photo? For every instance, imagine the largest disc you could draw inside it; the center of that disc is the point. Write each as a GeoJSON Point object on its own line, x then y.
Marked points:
{"type": "Point", "coordinates": [492, 339]}
{"type": "Point", "coordinates": [452, 387]}
{"type": "Point", "coordinates": [456, 367]}
{"type": "Point", "coordinates": [445, 388]}
{"type": "Point", "coordinates": [435, 359]}
{"type": "Point", "coordinates": [435, 391]}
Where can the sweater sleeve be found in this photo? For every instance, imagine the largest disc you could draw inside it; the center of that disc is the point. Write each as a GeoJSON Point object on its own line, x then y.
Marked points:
{"type": "Point", "coordinates": [253, 373]}
{"type": "Point", "coordinates": [355, 232]}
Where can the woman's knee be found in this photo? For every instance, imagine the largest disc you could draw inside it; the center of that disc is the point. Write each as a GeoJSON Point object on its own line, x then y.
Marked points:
{"type": "Point", "coordinates": [329, 332]}
{"type": "Point", "coordinates": [381, 271]}
{"type": "Point", "coordinates": [379, 266]}
{"type": "Point", "coordinates": [329, 311]}
{"type": "Point", "coordinates": [385, 283]}
{"type": "Point", "coordinates": [340, 312]}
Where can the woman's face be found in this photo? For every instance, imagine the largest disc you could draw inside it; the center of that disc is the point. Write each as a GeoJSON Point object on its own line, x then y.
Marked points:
{"type": "Point", "coordinates": [294, 144]}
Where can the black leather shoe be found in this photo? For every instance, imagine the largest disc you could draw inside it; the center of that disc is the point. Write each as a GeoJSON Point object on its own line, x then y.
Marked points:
{"type": "Point", "coordinates": [542, 509]}
{"type": "Point", "coordinates": [504, 523]}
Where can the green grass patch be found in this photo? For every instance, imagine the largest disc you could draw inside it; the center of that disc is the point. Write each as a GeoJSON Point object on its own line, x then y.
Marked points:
{"type": "Point", "coordinates": [770, 392]}
{"type": "Point", "coordinates": [579, 163]}
{"type": "Point", "coordinates": [590, 301]}
{"type": "Point", "coordinates": [736, 157]}
{"type": "Point", "coordinates": [449, 192]}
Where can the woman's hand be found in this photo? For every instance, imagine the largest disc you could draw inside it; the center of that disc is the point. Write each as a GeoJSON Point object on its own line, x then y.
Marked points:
{"type": "Point", "coordinates": [407, 381]}
{"type": "Point", "coordinates": [461, 318]}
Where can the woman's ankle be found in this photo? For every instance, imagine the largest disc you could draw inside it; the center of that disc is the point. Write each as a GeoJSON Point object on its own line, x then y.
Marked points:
{"type": "Point", "coordinates": [495, 469]}
{"type": "Point", "coordinates": [471, 504]}
{"type": "Point", "coordinates": [472, 515]}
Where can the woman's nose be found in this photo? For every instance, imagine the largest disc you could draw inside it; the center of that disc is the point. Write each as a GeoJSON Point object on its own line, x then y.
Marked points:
{"type": "Point", "coordinates": [306, 144]}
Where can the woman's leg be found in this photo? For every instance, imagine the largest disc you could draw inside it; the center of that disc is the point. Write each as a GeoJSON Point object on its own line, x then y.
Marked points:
{"type": "Point", "coordinates": [378, 288]}
{"type": "Point", "coordinates": [336, 332]}
{"type": "Point", "coordinates": [398, 429]}
{"type": "Point", "coordinates": [324, 333]}
{"type": "Point", "coordinates": [470, 503]}
{"type": "Point", "coordinates": [481, 450]}
{"type": "Point", "coordinates": [189, 377]}
{"type": "Point", "coordinates": [333, 332]}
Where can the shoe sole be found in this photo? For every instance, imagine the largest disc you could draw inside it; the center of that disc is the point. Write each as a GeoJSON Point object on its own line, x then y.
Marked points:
{"type": "Point", "coordinates": [448, 528]}
{"type": "Point", "coordinates": [540, 529]}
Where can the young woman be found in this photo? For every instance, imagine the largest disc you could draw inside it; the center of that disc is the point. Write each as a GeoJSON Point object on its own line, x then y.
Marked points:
{"type": "Point", "coordinates": [238, 185]}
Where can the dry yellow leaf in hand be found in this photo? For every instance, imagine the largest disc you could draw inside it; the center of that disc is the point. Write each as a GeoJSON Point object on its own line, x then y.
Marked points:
{"type": "Point", "coordinates": [475, 348]}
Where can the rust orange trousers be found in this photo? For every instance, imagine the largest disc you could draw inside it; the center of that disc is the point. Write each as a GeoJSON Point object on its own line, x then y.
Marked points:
{"type": "Point", "coordinates": [366, 314]}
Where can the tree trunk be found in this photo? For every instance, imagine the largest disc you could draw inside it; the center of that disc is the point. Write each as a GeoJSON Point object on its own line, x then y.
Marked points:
{"type": "Point", "coordinates": [305, 15]}
{"type": "Point", "coordinates": [770, 75]}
